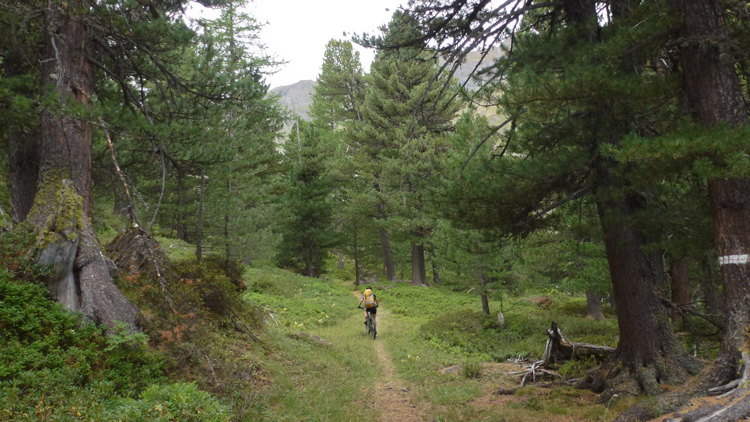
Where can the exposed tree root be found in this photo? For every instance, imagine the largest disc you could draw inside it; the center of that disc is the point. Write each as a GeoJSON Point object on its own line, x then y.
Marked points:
{"type": "Point", "coordinates": [735, 394]}
{"type": "Point", "coordinates": [559, 349]}
{"type": "Point", "coordinates": [81, 277]}
{"type": "Point", "coordinates": [617, 378]}
{"type": "Point", "coordinates": [135, 251]}
{"type": "Point", "coordinates": [535, 370]}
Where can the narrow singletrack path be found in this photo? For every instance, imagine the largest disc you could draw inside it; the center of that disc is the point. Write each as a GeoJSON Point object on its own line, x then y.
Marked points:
{"type": "Point", "coordinates": [391, 397]}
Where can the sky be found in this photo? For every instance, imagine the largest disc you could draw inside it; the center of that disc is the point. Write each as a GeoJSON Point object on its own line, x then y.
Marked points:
{"type": "Point", "coordinates": [297, 31]}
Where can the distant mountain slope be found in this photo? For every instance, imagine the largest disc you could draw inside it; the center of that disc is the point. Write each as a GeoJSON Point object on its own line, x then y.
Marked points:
{"type": "Point", "coordinates": [297, 97]}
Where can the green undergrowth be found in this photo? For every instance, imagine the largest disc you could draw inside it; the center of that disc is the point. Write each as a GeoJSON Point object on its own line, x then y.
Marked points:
{"type": "Point", "coordinates": [55, 366]}
{"type": "Point", "coordinates": [454, 322]}
{"type": "Point", "coordinates": [422, 330]}
{"type": "Point", "coordinates": [319, 363]}
{"type": "Point", "coordinates": [209, 335]}
{"type": "Point", "coordinates": [431, 329]}
{"type": "Point", "coordinates": [296, 301]}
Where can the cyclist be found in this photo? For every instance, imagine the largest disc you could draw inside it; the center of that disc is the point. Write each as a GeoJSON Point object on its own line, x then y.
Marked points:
{"type": "Point", "coordinates": [371, 304]}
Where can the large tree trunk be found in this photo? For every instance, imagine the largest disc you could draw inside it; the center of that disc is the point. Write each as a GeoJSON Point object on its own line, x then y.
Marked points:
{"type": "Point", "coordinates": [418, 270]}
{"type": "Point", "coordinates": [715, 96]}
{"type": "Point", "coordinates": [731, 205]}
{"type": "Point", "coordinates": [81, 278]}
{"type": "Point", "coordinates": [647, 349]}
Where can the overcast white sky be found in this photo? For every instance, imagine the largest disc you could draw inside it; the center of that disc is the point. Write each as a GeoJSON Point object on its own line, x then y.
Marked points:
{"type": "Point", "coordinates": [297, 31]}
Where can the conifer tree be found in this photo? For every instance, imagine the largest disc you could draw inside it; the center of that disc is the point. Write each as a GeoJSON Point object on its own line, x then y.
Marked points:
{"type": "Point", "coordinates": [336, 104]}
{"type": "Point", "coordinates": [406, 112]}
{"type": "Point", "coordinates": [308, 233]}
{"type": "Point", "coordinates": [571, 91]}
{"type": "Point", "coordinates": [107, 58]}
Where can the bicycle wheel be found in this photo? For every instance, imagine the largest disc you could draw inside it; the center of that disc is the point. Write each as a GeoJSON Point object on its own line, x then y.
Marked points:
{"type": "Point", "coordinates": [368, 326]}
{"type": "Point", "coordinates": [373, 329]}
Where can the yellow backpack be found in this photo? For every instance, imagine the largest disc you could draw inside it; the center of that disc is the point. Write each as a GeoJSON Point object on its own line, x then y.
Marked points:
{"type": "Point", "coordinates": [370, 299]}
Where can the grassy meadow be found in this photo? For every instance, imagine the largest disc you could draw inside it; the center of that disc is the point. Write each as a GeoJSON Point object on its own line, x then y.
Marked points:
{"type": "Point", "coordinates": [451, 357]}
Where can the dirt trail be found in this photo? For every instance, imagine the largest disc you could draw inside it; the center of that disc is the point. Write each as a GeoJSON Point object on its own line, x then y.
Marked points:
{"type": "Point", "coordinates": [392, 397]}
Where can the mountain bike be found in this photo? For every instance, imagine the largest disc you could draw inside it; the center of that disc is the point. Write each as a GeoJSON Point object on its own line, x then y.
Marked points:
{"type": "Point", "coordinates": [370, 325]}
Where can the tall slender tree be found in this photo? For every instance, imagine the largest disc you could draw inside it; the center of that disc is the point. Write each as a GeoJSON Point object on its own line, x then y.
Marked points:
{"type": "Point", "coordinates": [309, 233]}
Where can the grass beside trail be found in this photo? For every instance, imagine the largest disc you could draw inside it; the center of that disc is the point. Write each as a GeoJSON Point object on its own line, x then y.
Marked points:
{"type": "Point", "coordinates": [428, 329]}
{"type": "Point", "coordinates": [309, 380]}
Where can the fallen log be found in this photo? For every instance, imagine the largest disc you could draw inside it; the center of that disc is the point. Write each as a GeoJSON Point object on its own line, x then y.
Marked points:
{"type": "Point", "coordinates": [559, 349]}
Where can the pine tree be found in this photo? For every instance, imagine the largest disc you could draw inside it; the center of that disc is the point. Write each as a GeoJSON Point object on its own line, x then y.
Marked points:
{"type": "Point", "coordinates": [405, 114]}
{"type": "Point", "coordinates": [308, 234]}
{"type": "Point", "coordinates": [571, 93]}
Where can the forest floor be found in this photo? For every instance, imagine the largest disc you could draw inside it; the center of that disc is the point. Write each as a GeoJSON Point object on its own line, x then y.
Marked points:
{"type": "Point", "coordinates": [397, 400]}
{"type": "Point", "coordinates": [322, 366]}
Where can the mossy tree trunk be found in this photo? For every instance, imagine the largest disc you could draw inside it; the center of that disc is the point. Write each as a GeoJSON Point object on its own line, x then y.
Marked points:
{"type": "Point", "coordinates": [81, 278]}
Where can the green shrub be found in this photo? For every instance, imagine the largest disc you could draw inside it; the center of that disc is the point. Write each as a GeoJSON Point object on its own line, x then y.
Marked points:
{"type": "Point", "coordinates": [53, 363]}
{"type": "Point", "coordinates": [56, 366]}
{"type": "Point", "coordinates": [472, 369]}
{"type": "Point", "coordinates": [14, 253]}
{"type": "Point", "coordinates": [465, 331]}
{"type": "Point", "coordinates": [175, 402]}
{"type": "Point", "coordinates": [298, 301]}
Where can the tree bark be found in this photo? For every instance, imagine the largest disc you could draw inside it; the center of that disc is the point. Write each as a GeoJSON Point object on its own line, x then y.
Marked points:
{"type": "Point", "coordinates": [180, 223]}
{"type": "Point", "coordinates": [418, 270]}
{"type": "Point", "coordinates": [22, 138]}
{"type": "Point", "coordinates": [435, 273]}
{"type": "Point", "coordinates": [559, 349]}
{"type": "Point", "coordinates": [81, 278]}
{"type": "Point", "coordinates": [714, 92]}
{"type": "Point", "coordinates": [23, 166]}
{"type": "Point", "coordinates": [385, 246]}
{"type": "Point", "coordinates": [647, 348]}
{"type": "Point", "coordinates": [709, 286]}
{"type": "Point", "coordinates": [731, 208]}
{"type": "Point", "coordinates": [594, 306]}
{"type": "Point", "coordinates": [678, 273]}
